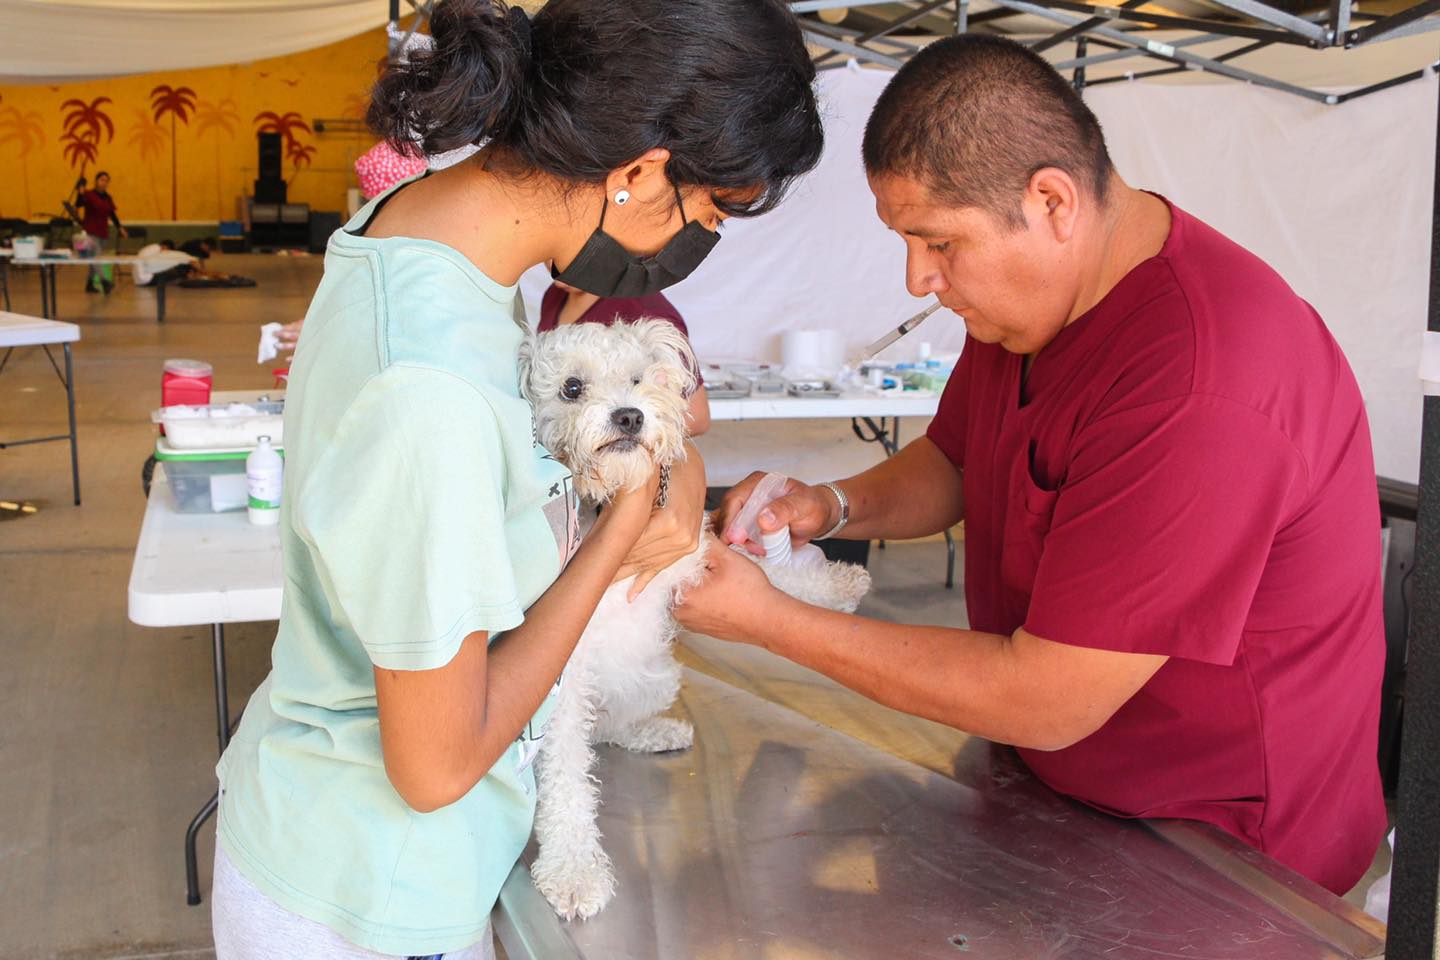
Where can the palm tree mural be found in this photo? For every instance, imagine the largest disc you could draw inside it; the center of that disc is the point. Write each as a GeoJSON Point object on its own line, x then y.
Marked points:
{"type": "Point", "coordinates": [22, 131]}
{"type": "Point", "coordinates": [300, 154]}
{"type": "Point", "coordinates": [287, 125]}
{"type": "Point", "coordinates": [148, 137]}
{"type": "Point", "coordinates": [177, 102]}
{"type": "Point", "coordinates": [219, 119]}
{"type": "Point", "coordinates": [79, 151]}
{"type": "Point", "coordinates": [85, 123]}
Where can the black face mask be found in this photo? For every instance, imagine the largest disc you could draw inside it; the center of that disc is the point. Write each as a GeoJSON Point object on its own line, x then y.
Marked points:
{"type": "Point", "coordinates": [606, 269]}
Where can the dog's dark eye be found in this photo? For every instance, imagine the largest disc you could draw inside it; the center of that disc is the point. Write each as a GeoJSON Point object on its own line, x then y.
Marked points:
{"type": "Point", "coordinates": [635, 381]}
{"type": "Point", "coordinates": [572, 388]}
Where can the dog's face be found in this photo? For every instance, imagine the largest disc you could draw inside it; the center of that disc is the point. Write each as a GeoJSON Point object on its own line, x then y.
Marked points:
{"type": "Point", "coordinates": [609, 401]}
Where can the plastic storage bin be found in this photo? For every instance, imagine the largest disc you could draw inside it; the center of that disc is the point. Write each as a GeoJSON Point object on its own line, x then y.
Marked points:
{"type": "Point", "coordinates": [218, 426]}
{"type": "Point", "coordinates": [205, 481]}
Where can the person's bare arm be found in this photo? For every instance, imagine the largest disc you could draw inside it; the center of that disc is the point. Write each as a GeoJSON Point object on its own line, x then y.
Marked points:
{"type": "Point", "coordinates": [697, 417]}
{"type": "Point", "coordinates": [442, 730]}
{"type": "Point", "coordinates": [1021, 689]}
{"type": "Point", "coordinates": [915, 493]}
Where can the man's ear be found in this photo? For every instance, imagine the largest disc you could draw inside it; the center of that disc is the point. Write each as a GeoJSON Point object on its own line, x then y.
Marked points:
{"type": "Point", "coordinates": [1053, 195]}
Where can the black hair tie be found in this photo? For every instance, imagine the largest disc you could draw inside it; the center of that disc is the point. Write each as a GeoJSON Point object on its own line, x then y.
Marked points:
{"type": "Point", "coordinates": [520, 24]}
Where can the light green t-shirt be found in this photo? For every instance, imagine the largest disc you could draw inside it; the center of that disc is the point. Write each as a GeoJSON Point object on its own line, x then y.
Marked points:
{"type": "Point", "coordinates": [418, 508]}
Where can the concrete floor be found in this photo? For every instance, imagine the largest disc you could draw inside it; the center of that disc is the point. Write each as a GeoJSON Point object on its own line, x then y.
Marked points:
{"type": "Point", "coordinates": [106, 729]}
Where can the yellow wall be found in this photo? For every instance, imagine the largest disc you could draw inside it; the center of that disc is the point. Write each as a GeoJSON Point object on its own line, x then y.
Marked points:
{"type": "Point", "coordinates": [214, 145]}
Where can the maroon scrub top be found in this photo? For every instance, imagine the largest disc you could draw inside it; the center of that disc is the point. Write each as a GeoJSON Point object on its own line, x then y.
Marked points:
{"type": "Point", "coordinates": [1187, 471]}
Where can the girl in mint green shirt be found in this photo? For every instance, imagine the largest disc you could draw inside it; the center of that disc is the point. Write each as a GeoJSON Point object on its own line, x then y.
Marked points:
{"type": "Point", "coordinates": [378, 791]}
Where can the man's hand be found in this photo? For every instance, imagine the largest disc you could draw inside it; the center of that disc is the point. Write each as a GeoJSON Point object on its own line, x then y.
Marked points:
{"type": "Point", "coordinates": [732, 601]}
{"type": "Point", "coordinates": [674, 530]}
{"type": "Point", "coordinates": [124, 233]}
{"type": "Point", "coordinates": [808, 512]}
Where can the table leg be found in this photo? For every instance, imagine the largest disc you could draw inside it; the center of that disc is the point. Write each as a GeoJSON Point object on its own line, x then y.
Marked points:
{"type": "Point", "coordinates": [51, 270]}
{"type": "Point", "coordinates": [44, 292]}
{"type": "Point", "coordinates": [160, 301]}
{"type": "Point", "coordinates": [192, 869]}
{"type": "Point", "coordinates": [74, 443]}
{"type": "Point", "coordinates": [222, 732]}
{"type": "Point", "coordinates": [5, 280]}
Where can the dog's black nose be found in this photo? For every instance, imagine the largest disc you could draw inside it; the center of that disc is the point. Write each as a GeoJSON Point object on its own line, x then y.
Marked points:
{"type": "Point", "coordinates": [628, 419]}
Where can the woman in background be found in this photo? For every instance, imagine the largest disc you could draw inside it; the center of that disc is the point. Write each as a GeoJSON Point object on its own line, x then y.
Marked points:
{"type": "Point", "coordinates": [98, 213]}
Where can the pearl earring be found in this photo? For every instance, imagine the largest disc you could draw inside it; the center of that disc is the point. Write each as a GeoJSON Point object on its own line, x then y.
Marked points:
{"type": "Point", "coordinates": [622, 197]}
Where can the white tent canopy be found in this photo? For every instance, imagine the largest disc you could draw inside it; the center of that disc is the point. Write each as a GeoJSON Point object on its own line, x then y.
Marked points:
{"type": "Point", "coordinates": [52, 41]}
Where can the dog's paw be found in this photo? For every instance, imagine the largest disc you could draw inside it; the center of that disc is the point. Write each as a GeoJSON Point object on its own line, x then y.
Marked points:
{"type": "Point", "coordinates": [654, 735]}
{"type": "Point", "coordinates": [578, 886]}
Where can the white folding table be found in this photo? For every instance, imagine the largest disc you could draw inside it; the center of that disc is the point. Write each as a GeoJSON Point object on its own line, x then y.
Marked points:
{"type": "Point", "coordinates": [203, 568]}
{"type": "Point", "coordinates": [18, 330]}
{"type": "Point", "coordinates": [49, 294]}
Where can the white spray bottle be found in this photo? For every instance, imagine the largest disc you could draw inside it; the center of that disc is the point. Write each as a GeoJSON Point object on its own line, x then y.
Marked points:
{"type": "Point", "coordinates": [779, 550]}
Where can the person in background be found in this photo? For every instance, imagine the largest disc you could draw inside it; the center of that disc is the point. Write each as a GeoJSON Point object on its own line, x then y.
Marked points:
{"type": "Point", "coordinates": [160, 263]}
{"type": "Point", "coordinates": [200, 248]}
{"type": "Point", "coordinates": [98, 212]}
{"type": "Point", "coordinates": [563, 304]}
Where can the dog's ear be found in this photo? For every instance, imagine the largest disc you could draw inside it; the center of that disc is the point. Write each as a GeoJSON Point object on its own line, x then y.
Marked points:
{"type": "Point", "coordinates": [670, 349]}
{"type": "Point", "coordinates": [525, 364]}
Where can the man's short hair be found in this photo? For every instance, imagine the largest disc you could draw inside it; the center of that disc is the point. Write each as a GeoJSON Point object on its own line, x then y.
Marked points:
{"type": "Point", "coordinates": [974, 117]}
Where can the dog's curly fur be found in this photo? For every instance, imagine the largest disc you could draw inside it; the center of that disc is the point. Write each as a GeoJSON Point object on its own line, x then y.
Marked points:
{"type": "Point", "coordinates": [585, 381]}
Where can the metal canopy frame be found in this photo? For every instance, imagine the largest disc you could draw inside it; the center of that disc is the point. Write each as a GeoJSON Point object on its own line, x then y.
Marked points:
{"type": "Point", "coordinates": [1104, 34]}
{"type": "Point", "coordinates": [1126, 31]}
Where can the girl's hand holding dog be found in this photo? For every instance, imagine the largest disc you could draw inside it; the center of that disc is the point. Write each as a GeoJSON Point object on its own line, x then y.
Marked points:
{"type": "Point", "coordinates": [674, 530]}
{"type": "Point", "coordinates": [734, 602]}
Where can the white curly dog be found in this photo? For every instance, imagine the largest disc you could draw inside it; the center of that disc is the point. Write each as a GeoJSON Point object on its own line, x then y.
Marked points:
{"type": "Point", "coordinates": [608, 402]}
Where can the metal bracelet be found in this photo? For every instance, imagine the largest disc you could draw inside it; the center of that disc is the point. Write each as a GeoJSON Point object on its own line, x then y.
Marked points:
{"type": "Point", "coordinates": [844, 511]}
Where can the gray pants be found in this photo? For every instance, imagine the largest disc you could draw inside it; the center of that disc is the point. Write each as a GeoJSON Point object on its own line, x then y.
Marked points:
{"type": "Point", "coordinates": [250, 926]}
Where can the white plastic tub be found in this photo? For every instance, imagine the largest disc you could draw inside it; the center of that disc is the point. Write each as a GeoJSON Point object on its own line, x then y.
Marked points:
{"type": "Point", "coordinates": [221, 425]}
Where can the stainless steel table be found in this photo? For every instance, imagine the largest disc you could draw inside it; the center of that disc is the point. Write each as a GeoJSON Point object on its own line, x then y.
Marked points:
{"type": "Point", "coordinates": [808, 823]}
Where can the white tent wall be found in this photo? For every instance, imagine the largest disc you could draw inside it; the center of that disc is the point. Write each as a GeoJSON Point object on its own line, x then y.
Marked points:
{"type": "Point", "coordinates": [52, 41]}
{"type": "Point", "coordinates": [1337, 199]}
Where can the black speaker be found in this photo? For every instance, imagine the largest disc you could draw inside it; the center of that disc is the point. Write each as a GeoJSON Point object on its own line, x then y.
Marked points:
{"type": "Point", "coordinates": [270, 155]}
{"type": "Point", "coordinates": [271, 192]}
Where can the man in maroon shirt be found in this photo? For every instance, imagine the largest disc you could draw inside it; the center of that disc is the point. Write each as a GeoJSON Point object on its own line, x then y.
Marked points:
{"type": "Point", "coordinates": [1172, 553]}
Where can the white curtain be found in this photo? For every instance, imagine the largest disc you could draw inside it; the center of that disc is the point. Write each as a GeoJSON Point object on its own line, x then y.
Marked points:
{"type": "Point", "coordinates": [1337, 199]}
{"type": "Point", "coordinates": [52, 41]}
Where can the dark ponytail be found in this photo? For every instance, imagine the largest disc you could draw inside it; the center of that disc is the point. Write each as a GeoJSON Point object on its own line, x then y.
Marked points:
{"type": "Point", "coordinates": [725, 85]}
{"type": "Point", "coordinates": [466, 88]}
